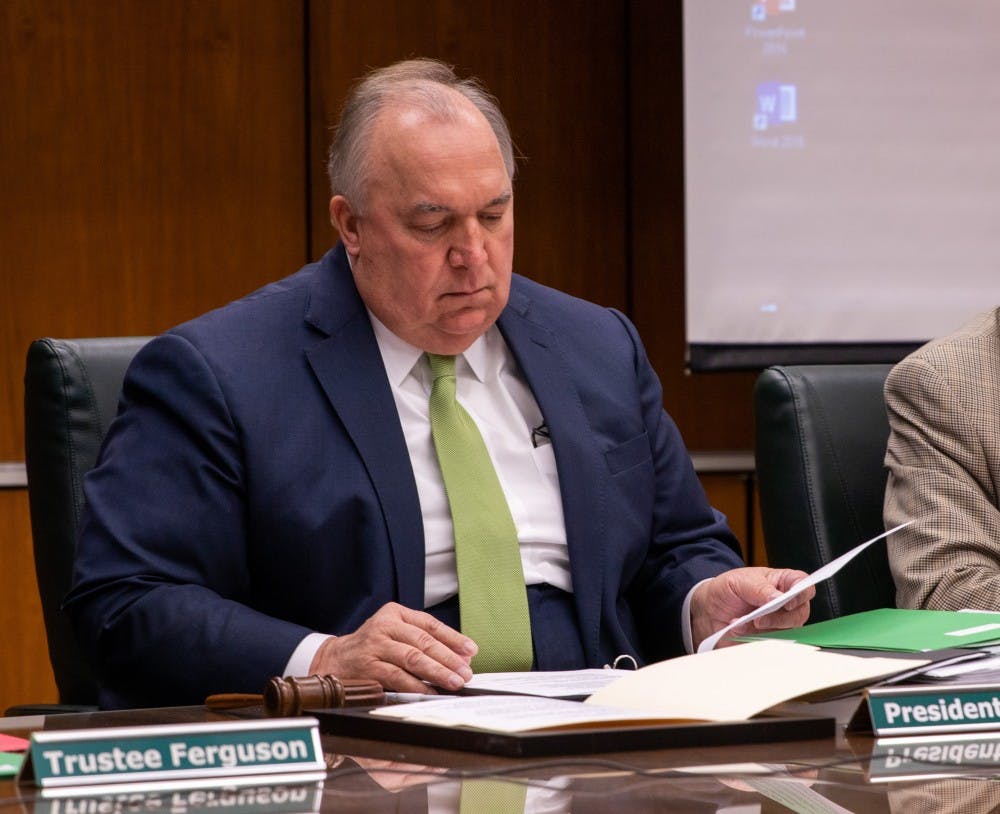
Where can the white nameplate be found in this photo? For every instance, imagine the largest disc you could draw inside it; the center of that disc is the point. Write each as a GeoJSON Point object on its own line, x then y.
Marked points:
{"type": "Point", "coordinates": [174, 752]}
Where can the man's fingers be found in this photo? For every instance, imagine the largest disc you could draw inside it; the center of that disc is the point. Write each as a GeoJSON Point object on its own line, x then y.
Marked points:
{"type": "Point", "coordinates": [395, 678]}
{"type": "Point", "coordinates": [409, 660]}
{"type": "Point", "coordinates": [800, 599]}
{"type": "Point", "coordinates": [437, 653]}
{"type": "Point", "coordinates": [403, 650]}
{"type": "Point", "coordinates": [781, 619]}
{"type": "Point", "coordinates": [454, 640]}
{"type": "Point", "coordinates": [787, 578]}
{"type": "Point", "coordinates": [395, 665]}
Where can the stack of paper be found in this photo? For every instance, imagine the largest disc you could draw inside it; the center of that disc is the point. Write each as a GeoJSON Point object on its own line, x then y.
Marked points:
{"type": "Point", "coordinates": [698, 687]}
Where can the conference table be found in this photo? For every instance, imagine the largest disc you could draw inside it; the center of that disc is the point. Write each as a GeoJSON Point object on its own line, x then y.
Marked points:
{"type": "Point", "coordinates": [828, 774]}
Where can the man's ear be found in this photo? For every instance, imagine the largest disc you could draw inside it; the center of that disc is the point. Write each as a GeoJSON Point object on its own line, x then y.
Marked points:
{"type": "Point", "coordinates": [345, 221]}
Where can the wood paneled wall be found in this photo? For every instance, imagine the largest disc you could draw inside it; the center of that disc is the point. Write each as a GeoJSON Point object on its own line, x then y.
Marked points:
{"type": "Point", "coordinates": [160, 157]}
{"type": "Point", "coordinates": [153, 166]}
{"type": "Point", "coordinates": [26, 676]}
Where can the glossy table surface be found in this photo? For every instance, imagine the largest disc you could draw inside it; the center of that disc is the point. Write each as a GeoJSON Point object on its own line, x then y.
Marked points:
{"type": "Point", "coordinates": [826, 775]}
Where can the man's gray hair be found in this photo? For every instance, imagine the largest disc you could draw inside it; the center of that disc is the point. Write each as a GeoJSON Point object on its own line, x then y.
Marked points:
{"type": "Point", "coordinates": [423, 83]}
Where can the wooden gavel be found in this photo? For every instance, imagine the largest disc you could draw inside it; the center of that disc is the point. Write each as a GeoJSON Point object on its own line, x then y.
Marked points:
{"type": "Point", "coordinates": [290, 696]}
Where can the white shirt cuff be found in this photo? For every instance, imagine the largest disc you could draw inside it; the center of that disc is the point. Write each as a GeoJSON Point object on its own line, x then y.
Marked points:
{"type": "Point", "coordinates": [686, 618]}
{"type": "Point", "coordinates": [302, 656]}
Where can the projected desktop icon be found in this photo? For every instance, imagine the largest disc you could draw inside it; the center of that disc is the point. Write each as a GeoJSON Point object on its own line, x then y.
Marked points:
{"type": "Point", "coordinates": [762, 9]}
{"type": "Point", "coordinates": [777, 103]}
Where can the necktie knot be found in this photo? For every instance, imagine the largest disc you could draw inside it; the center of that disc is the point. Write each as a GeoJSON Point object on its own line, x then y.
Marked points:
{"type": "Point", "coordinates": [441, 366]}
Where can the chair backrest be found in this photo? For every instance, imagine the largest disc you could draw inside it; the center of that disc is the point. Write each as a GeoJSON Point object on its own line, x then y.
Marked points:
{"type": "Point", "coordinates": [821, 433]}
{"type": "Point", "coordinates": [71, 389]}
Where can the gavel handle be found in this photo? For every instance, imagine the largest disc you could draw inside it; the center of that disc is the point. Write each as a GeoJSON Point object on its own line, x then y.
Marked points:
{"type": "Point", "coordinates": [234, 700]}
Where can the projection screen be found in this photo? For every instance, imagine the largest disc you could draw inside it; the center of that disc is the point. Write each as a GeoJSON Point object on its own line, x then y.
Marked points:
{"type": "Point", "coordinates": [842, 176]}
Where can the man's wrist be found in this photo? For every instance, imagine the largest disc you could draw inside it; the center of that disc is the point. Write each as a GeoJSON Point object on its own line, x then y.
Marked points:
{"type": "Point", "coordinates": [300, 662]}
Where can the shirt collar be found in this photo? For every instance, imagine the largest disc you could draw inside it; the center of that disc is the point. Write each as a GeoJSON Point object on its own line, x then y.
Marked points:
{"type": "Point", "coordinates": [485, 357]}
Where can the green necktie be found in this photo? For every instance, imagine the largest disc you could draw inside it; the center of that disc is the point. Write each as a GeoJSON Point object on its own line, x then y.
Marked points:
{"type": "Point", "coordinates": [492, 599]}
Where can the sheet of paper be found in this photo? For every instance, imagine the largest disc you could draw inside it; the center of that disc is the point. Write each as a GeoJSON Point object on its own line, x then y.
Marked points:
{"type": "Point", "coordinates": [553, 684]}
{"type": "Point", "coordinates": [502, 713]}
{"type": "Point", "coordinates": [815, 577]}
{"type": "Point", "coordinates": [987, 669]}
{"type": "Point", "coordinates": [734, 683]}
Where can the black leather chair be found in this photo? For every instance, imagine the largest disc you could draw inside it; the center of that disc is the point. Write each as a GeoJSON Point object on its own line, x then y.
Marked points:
{"type": "Point", "coordinates": [71, 389]}
{"type": "Point", "coordinates": [821, 433]}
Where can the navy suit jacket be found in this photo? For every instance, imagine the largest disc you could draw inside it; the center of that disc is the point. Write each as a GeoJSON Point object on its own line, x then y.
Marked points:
{"type": "Point", "coordinates": [256, 487]}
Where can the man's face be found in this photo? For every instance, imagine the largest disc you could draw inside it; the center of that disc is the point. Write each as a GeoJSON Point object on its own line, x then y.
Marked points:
{"type": "Point", "coordinates": [432, 247]}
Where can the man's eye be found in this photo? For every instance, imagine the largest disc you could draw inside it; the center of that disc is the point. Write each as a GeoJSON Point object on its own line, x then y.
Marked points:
{"type": "Point", "coordinates": [428, 228]}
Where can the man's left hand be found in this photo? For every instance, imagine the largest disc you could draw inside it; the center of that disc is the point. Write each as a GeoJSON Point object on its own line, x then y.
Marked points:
{"type": "Point", "coordinates": [725, 598]}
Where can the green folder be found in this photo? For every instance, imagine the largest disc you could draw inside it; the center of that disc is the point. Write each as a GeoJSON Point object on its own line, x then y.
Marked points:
{"type": "Point", "coordinates": [10, 763]}
{"type": "Point", "coordinates": [911, 631]}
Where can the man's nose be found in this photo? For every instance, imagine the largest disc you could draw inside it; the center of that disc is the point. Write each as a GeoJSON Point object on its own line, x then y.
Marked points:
{"type": "Point", "coordinates": [469, 247]}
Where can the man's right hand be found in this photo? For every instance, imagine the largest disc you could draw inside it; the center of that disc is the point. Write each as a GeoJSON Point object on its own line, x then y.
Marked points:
{"type": "Point", "coordinates": [404, 650]}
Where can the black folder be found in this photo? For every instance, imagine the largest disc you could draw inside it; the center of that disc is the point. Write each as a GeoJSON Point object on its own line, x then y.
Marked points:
{"type": "Point", "coordinates": [358, 723]}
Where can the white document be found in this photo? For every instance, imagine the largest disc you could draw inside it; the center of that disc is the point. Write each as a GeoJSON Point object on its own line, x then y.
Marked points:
{"type": "Point", "coordinates": [990, 664]}
{"type": "Point", "coordinates": [730, 684]}
{"type": "Point", "coordinates": [735, 683]}
{"type": "Point", "coordinates": [552, 684]}
{"type": "Point", "coordinates": [815, 577]}
{"type": "Point", "coordinates": [510, 713]}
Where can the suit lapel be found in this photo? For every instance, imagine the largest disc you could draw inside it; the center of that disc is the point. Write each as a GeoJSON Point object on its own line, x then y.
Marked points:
{"type": "Point", "coordinates": [578, 460]}
{"type": "Point", "coordinates": [349, 368]}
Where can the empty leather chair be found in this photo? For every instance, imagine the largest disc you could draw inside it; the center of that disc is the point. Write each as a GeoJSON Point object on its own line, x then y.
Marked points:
{"type": "Point", "coordinates": [821, 433]}
{"type": "Point", "coordinates": [71, 389]}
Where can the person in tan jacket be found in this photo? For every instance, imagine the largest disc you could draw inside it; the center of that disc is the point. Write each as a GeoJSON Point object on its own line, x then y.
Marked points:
{"type": "Point", "coordinates": [943, 456]}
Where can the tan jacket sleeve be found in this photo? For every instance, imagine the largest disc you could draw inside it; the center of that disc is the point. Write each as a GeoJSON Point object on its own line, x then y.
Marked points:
{"type": "Point", "coordinates": [943, 458]}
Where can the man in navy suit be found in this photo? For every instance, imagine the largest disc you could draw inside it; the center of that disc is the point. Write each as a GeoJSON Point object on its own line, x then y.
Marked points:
{"type": "Point", "coordinates": [268, 501]}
